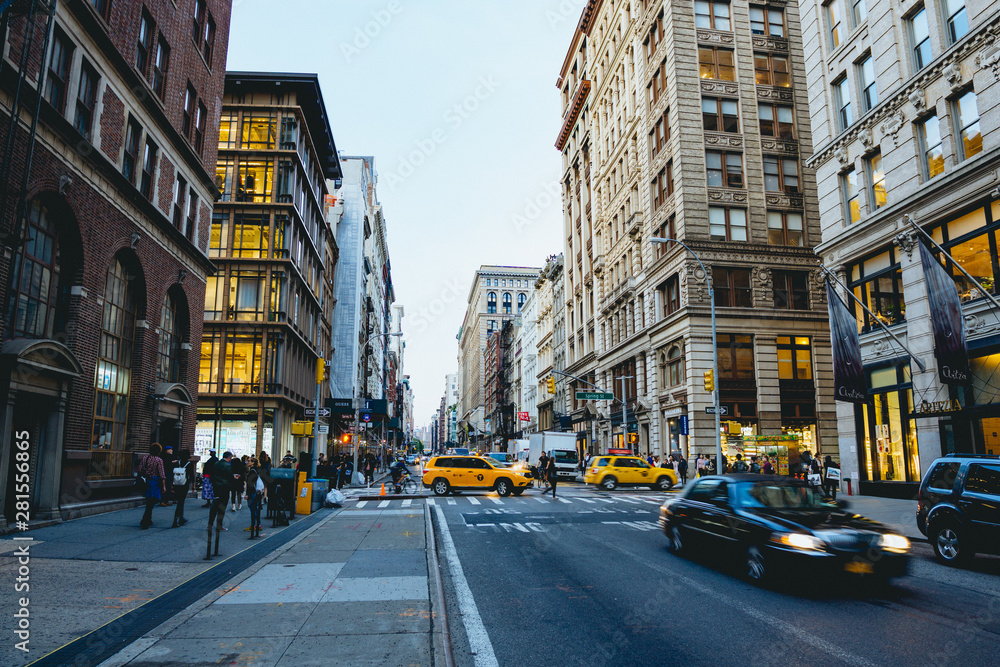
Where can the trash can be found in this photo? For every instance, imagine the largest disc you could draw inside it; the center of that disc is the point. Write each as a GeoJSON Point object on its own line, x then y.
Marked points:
{"type": "Point", "coordinates": [303, 501]}
{"type": "Point", "coordinates": [319, 491]}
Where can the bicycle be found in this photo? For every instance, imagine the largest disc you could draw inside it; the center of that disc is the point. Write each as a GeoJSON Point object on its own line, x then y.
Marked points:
{"type": "Point", "coordinates": [406, 484]}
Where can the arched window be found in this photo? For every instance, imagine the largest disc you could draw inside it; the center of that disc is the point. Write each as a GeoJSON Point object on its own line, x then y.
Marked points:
{"type": "Point", "coordinates": [171, 336]}
{"type": "Point", "coordinates": [521, 298]}
{"type": "Point", "coordinates": [506, 303]}
{"type": "Point", "coordinates": [675, 367]}
{"type": "Point", "coordinates": [491, 303]}
{"type": "Point", "coordinates": [35, 292]}
{"type": "Point", "coordinates": [114, 365]}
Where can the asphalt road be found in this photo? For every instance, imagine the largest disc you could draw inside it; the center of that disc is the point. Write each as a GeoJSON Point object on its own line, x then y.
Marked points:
{"type": "Point", "coordinates": [588, 580]}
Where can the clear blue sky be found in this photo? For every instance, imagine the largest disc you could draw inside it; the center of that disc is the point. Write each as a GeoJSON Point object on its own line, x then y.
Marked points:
{"type": "Point", "coordinates": [456, 99]}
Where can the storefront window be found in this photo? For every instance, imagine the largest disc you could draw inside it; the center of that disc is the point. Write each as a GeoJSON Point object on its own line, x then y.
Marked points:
{"type": "Point", "coordinates": [878, 283]}
{"type": "Point", "coordinates": [891, 453]}
{"type": "Point", "coordinates": [971, 240]}
{"type": "Point", "coordinates": [234, 430]}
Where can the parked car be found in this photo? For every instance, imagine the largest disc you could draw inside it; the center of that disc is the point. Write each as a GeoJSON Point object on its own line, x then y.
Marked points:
{"type": "Point", "coordinates": [958, 507]}
{"type": "Point", "coordinates": [445, 474]}
{"type": "Point", "coordinates": [504, 459]}
{"type": "Point", "coordinates": [776, 524]}
{"type": "Point", "coordinates": [610, 472]}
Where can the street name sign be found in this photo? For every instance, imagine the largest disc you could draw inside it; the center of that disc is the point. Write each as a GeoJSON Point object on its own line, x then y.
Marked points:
{"type": "Point", "coordinates": [323, 412]}
{"type": "Point", "coordinates": [594, 396]}
{"type": "Point", "coordinates": [723, 410]}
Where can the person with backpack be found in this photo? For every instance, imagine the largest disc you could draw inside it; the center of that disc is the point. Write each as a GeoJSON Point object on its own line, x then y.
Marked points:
{"type": "Point", "coordinates": [183, 478]}
{"type": "Point", "coordinates": [222, 483]}
{"type": "Point", "coordinates": [239, 477]}
{"type": "Point", "coordinates": [151, 468]}
{"type": "Point", "coordinates": [754, 466]}
{"type": "Point", "coordinates": [740, 465]}
{"type": "Point", "coordinates": [682, 471]}
{"type": "Point", "coordinates": [256, 492]}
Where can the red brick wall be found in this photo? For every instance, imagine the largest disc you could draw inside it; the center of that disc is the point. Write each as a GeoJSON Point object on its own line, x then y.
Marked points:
{"type": "Point", "coordinates": [166, 186]}
{"type": "Point", "coordinates": [112, 124]}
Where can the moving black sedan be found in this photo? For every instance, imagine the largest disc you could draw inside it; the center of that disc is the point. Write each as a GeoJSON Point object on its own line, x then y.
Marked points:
{"type": "Point", "coordinates": [775, 525]}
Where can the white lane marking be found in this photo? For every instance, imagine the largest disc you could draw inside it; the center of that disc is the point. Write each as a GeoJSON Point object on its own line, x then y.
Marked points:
{"type": "Point", "coordinates": [431, 502]}
{"type": "Point", "coordinates": [586, 500]}
{"type": "Point", "coordinates": [451, 501]}
{"type": "Point", "coordinates": [628, 500]}
{"type": "Point", "coordinates": [475, 631]}
{"type": "Point", "coordinates": [651, 502]}
{"type": "Point", "coordinates": [384, 503]}
{"type": "Point", "coordinates": [473, 501]}
{"type": "Point", "coordinates": [361, 504]}
{"type": "Point", "coordinates": [407, 502]}
{"type": "Point", "coordinates": [496, 501]}
{"type": "Point", "coordinates": [540, 499]}
{"type": "Point", "coordinates": [606, 500]}
{"type": "Point", "coordinates": [563, 500]}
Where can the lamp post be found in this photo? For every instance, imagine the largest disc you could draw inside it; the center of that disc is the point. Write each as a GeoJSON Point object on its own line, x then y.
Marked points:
{"type": "Point", "coordinates": [715, 351]}
{"type": "Point", "coordinates": [357, 402]}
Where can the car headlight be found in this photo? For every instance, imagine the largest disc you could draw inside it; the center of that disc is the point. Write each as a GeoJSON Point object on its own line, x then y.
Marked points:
{"type": "Point", "coordinates": [800, 541]}
{"type": "Point", "coordinates": [894, 543]}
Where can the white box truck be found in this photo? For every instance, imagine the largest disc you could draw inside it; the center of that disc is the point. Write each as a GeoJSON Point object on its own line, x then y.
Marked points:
{"type": "Point", "coordinates": [560, 445]}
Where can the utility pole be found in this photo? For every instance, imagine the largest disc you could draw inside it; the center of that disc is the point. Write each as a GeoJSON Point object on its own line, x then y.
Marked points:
{"type": "Point", "coordinates": [357, 402]}
{"type": "Point", "coordinates": [625, 410]}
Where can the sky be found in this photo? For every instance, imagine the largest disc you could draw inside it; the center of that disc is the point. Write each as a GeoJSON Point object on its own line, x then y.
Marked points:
{"type": "Point", "coordinates": [456, 99]}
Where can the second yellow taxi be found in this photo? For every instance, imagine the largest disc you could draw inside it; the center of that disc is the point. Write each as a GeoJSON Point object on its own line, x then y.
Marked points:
{"type": "Point", "coordinates": [445, 474]}
{"type": "Point", "coordinates": [610, 472]}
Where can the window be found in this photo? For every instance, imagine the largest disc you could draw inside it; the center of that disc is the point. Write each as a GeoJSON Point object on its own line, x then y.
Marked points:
{"type": "Point", "coordinates": [724, 170]}
{"type": "Point", "coordinates": [114, 360]}
{"type": "Point", "coordinates": [849, 187]}
{"type": "Point", "coordinates": [203, 30]}
{"type": "Point", "coordinates": [35, 290]}
{"type": "Point", "coordinates": [767, 21]}
{"type": "Point", "coordinates": [958, 23]}
{"type": "Point", "coordinates": [241, 364]}
{"type": "Point", "coordinates": [254, 180]}
{"type": "Point", "coordinates": [658, 85]}
{"type": "Point", "coordinates": [971, 239]}
{"type": "Point", "coordinates": [133, 134]}
{"type": "Point", "coordinates": [790, 290]}
{"type": "Point", "coordinates": [199, 126]}
{"type": "Point", "coordinates": [859, 12]}
{"type": "Point", "coordinates": [655, 36]}
{"type": "Point", "coordinates": [218, 240]}
{"type": "Point", "coordinates": [794, 358]}
{"type": "Point", "coordinates": [732, 287]}
{"type": "Point", "coordinates": [711, 14]}
{"type": "Point", "coordinates": [876, 181]}
{"type": "Point", "coordinates": [168, 366]}
{"type": "Point", "coordinates": [148, 168]}
{"type": "Point", "coordinates": [776, 120]}
{"type": "Point", "coordinates": [930, 147]}
{"type": "Point", "coordinates": [966, 114]}
{"type": "Point", "coordinates": [660, 134]}
{"type": "Point", "coordinates": [192, 215]}
{"type": "Point", "coordinates": [771, 70]}
{"type": "Point", "coordinates": [866, 83]}
{"type": "Point", "coordinates": [103, 7]}
{"type": "Point", "coordinates": [842, 95]}
{"type": "Point", "coordinates": [491, 326]}
{"type": "Point", "coordinates": [720, 115]}
{"type": "Point", "coordinates": [190, 99]}
{"type": "Point", "coordinates": [878, 283]}
{"type": "Point", "coordinates": [727, 224]}
{"type": "Point", "coordinates": [521, 298]}
{"type": "Point", "coordinates": [834, 23]}
{"type": "Point", "coordinates": [662, 186]}
{"type": "Point", "coordinates": [86, 98]}
{"type": "Point", "coordinates": [180, 193]}
{"type": "Point", "coordinates": [781, 175]}
{"type": "Point", "coordinates": [920, 38]}
{"type": "Point", "coordinates": [160, 64]}
{"type": "Point", "coordinates": [785, 228]}
{"type": "Point", "coordinates": [735, 353]}
{"type": "Point", "coordinates": [145, 43]}
{"type": "Point", "coordinates": [984, 479]}
{"type": "Point", "coordinates": [259, 131]}
{"type": "Point", "coordinates": [675, 367]}
{"type": "Point", "coordinates": [491, 303]}
{"type": "Point", "coordinates": [58, 76]}
{"type": "Point", "coordinates": [715, 63]}
{"type": "Point", "coordinates": [506, 303]}
{"type": "Point", "coordinates": [670, 296]}
{"type": "Point", "coordinates": [944, 476]}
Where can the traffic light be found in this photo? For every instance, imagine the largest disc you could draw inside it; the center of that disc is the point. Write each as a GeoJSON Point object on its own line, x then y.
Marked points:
{"type": "Point", "coordinates": [320, 370]}
{"type": "Point", "coordinates": [551, 384]}
{"type": "Point", "coordinates": [710, 381]}
{"type": "Point", "coordinates": [346, 438]}
{"type": "Point", "coordinates": [302, 428]}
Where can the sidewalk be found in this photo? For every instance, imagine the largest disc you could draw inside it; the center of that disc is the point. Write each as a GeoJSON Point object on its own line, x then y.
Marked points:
{"type": "Point", "coordinates": [350, 590]}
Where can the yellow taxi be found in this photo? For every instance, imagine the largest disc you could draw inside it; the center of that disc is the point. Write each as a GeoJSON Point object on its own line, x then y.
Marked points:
{"type": "Point", "coordinates": [609, 472]}
{"type": "Point", "coordinates": [445, 474]}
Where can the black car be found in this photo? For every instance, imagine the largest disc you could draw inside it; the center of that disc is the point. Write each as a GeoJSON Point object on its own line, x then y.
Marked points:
{"type": "Point", "coordinates": [958, 507]}
{"type": "Point", "coordinates": [773, 524]}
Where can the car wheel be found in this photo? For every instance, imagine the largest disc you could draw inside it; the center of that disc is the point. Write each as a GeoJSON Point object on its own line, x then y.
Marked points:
{"type": "Point", "coordinates": [664, 483]}
{"type": "Point", "coordinates": [609, 483]}
{"type": "Point", "coordinates": [518, 492]}
{"type": "Point", "coordinates": [949, 547]}
{"type": "Point", "coordinates": [676, 544]}
{"type": "Point", "coordinates": [503, 487]}
{"type": "Point", "coordinates": [756, 566]}
{"type": "Point", "coordinates": [441, 487]}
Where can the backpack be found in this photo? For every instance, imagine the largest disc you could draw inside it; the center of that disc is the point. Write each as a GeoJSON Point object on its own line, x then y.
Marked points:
{"type": "Point", "coordinates": [740, 466]}
{"type": "Point", "coordinates": [755, 468]}
{"type": "Point", "coordinates": [180, 476]}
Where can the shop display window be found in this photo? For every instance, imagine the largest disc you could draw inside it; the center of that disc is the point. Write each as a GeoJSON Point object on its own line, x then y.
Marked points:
{"type": "Point", "coordinates": [890, 434]}
{"type": "Point", "coordinates": [878, 283]}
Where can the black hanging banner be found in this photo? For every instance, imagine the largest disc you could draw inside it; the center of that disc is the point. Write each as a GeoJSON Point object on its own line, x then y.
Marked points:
{"type": "Point", "coordinates": [848, 374]}
{"type": "Point", "coordinates": [946, 321]}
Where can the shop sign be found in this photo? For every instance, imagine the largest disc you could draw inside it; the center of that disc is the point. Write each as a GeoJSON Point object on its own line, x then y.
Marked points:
{"type": "Point", "coordinates": [936, 407]}
{"type": "Point", "coordinates": [684, 424]}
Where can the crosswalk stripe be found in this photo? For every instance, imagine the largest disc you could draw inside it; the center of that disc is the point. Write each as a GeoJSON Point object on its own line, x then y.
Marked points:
{"type": "Point", "coordinates": [586, 500]}
{"type": "Point", "coordinates": [451, 501]}
{"type": "Point", "coordinates": [563, 500]}
{"type": "Point", "coordinates": [496, 501]}
{"type": "Point", "coordinates": [628, 500]}
{"type": "Point", "coordinates": [651, 502]}
{"type": "Point", "coordinates": [384, 503]}
{"type": "Point", "coordinates": [407, 502]}
{"type": "Point", "coordinates": [431, 502]}
{"type": "Point", "coordinates": [361, 504]}
{"type": "Point", "coordinates": [473, 501]}
{"type": "Point", "coordinates": [539, 499]}
{"type": "Point", "coordinates": [606, 500]}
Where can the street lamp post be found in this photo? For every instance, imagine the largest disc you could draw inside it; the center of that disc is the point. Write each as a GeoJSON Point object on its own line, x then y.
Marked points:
{"type": "Point", "coordinates": [715, 351]}
{"type": "Point", "coordinates": [357, 403]}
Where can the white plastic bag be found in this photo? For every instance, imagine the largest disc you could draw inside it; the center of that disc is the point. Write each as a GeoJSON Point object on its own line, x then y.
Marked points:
{"type": "Point", "coordinates": [335, 498]}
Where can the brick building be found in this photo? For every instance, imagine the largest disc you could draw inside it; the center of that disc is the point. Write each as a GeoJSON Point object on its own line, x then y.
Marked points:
{"type": "Point", "coordinates": [104, 217]}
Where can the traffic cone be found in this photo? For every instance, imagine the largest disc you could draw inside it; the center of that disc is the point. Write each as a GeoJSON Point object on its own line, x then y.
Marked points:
{"type": "Point", "coordinates": [382, 492]}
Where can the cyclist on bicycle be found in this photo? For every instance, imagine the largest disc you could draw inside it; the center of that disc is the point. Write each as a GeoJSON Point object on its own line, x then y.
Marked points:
{"type": "Point", "coordinates": [397, 469]}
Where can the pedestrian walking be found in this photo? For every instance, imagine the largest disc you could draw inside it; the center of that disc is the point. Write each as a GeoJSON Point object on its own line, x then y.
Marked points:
{"type": "Point", "coordinates": [183, 478]}
{"type": "Point", "coordinates": [151, 468]}
{"type": "Point", "coordinates": [168, 465]}
{"type": "Point", "coordinates": [207, 492]}
{"type": "Point", "coordinates": [222, 482]}
{"type": "Point", "coordinates": [754, 466]}
{"type": "Point", "coordinates": [552, 475]}
{"type": "Point", "coordinates": [236, 487]}
{"type": "Point", "coordinates": [832, 477]}
{"type": "Point", "coordinates": [256, 492]}
{"type": "Point", "coordinates": [682, 471]}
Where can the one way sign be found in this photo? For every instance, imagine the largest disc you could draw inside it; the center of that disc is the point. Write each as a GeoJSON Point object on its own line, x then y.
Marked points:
{"type": "Point", "coordinates": [723, 410]}
{"type": "Point", "coordinates": [323, 412]}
